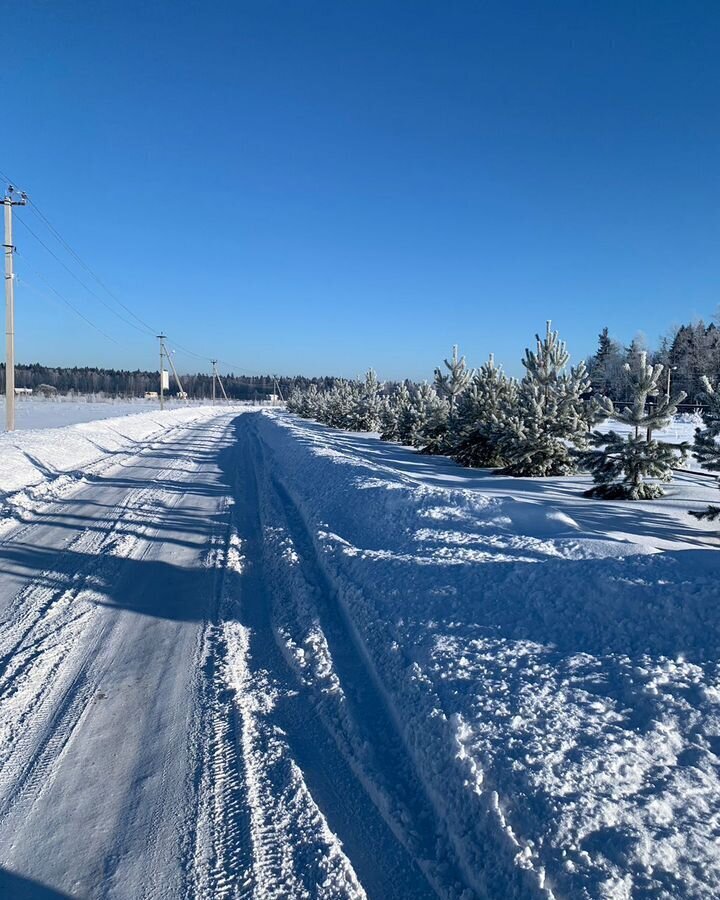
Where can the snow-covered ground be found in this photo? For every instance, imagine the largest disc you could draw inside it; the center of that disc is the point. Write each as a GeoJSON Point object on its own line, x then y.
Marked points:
{"type": "Point", "coordinates": [250, 656]}
{"type": "Point", "coordinates": [552, 660]}
{"type": "Point", "coordinates": [41, 412]}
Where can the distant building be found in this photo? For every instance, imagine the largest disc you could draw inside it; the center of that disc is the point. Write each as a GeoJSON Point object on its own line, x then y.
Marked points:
{"type": "Point", "coordinates": [151, 395]}
{"type": "Point", "coordinates": [23, 392]}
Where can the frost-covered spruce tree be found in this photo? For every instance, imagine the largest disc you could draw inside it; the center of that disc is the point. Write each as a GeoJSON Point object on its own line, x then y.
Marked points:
{"type": "Point", "coordinates": [295, 400]}
{"type": "Point", "coordinates": [305, 403]}
{"type": "Point", "coordinates": [433, 418]}
{"type": "Point", "coordinates": [552, 413]}
{"type": "Point", "coordinates": [482, 416]}
{"type": "Point", "coordinates": [621, 464]}
{"type": "Point", "coordinates": [707, 440]}
{"type": "Point", "coordinates": [409, 416]}
{"type": "Point", "coordinates": [367, 402]}
{"type": "Point", "coordinates": [450, 387]}
{"type": "Point", "coordinates": [392, 408]}
{"type": "Point", "coordinates": [421, 417]}
{"type": "Point", "coordinates": [338, 404]}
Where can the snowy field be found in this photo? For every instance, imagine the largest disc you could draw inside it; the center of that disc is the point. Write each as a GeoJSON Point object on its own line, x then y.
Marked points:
{"type": "Point", "coordinates": [251, 656]}
{"type": "Point", "coordinates": [39, 412]}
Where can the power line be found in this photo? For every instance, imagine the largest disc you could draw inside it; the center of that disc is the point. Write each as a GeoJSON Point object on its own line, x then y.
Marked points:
{"type": "Point", "coordinates": [38, 212]}
{"type": "Point", "coordinates": [143, 327]}
{"type": "Point", "coordinates": [78, 279]}
{"type": "Point", "coordinates": [62, 298]}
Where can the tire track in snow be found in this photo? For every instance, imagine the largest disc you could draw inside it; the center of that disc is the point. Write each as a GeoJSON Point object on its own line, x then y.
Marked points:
{"type": "Point", "coordinates": [308, 809]}
{"type": "Point", "coordinates": [49, 666]}
{"type": "Point", "coordinates": [362, 721]}
{"type": "Point", "coordinates": [259, 833]}
{"type": "Point", "coordinates": [216, 847]}
{"type": "Point", "coordinates": [62, 485]}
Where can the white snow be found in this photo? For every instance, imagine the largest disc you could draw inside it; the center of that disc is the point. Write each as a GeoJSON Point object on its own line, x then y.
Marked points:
{"type": "Point", "coordinates": [553, 660]}
{"type": "Point", "coordinates": [55, 412]}
{"type": "Point", "coordinates": [40, 464]}
{"type": "Point", "coordinates": [247, 655]}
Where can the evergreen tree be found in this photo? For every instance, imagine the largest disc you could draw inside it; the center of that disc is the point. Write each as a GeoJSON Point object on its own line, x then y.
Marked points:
{"type": "Point", "coordinates": [707, 441]}
{"type": "Point", "coordinates": [552, 412]}
{"type": "Point", "coordinates": [482, 417]}
{"type": "Point", "coordinates": [393, 407]}
{"type": "Point", "coordinates": [421, 417]}
{"type": "Point", "coordinates": [365, 415]}
{"type": "Point", "coordinates": [409, 418]}
{"type": "Point", "coordinates": [621, 464]}
{"type": "Point", "coordinates": [606, 367]}
{"type": "Point", "coordinates": [449, 387]}
{"type": "Point", "coordinates": [338, 405]}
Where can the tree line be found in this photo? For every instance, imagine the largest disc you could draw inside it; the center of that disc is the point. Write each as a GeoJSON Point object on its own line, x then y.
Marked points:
{"type": "Point", "coordinates": [540, 425]}
{"type": "Point", "coordinates": [689, 354]}
{"type": "Point", "coordinates": [126, 383]}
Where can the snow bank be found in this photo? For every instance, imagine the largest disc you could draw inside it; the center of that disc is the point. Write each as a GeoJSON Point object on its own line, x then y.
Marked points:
{"type": "Point", "coordinates": [554, 661]}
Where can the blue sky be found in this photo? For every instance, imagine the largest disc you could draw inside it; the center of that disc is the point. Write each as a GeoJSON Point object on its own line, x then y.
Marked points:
{"type": "Point", "coordinates": [322, 186]}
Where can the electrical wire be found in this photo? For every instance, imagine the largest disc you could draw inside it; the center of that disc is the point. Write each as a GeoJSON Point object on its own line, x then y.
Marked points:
{"type": "Point", "coordinates": [77, 277]}
{"type": "Point", "coordinates": [63, 299]}
{"type": "Point", "coordinates": [6, 178]}
{"type": "Point", "coordinates": [139, 325]}
{"type": "Point", "coordinates": [38, 212]}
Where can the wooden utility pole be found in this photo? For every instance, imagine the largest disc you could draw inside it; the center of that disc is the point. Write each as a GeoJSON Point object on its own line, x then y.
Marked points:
{"type": "Point", "coordinates": [11, 199]}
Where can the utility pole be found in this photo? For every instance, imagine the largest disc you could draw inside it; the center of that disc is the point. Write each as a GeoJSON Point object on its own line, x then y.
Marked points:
{"type": "Point", "coordinates": [277, 389]}
{"type": "Point", "coordinates": [165, 355]}
{"type": "Point", "coordinates": [161, 338]}
{"type": "Point", "coordinates": [181, 392]}
{"type": "Point", "coordinates": [8, 202]}
{"type": "Point", "coordinates": [216, 374]}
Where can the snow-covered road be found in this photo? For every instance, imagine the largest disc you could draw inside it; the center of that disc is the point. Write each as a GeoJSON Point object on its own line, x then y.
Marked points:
{"type": "Point", "coordinates": [154, 740]}
{"type": "Point", "coordinates": [247, 656]}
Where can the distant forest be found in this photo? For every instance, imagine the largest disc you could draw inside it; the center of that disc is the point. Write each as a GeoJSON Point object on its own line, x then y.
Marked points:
{"type": "Point", "coordinates": [125, 383]}
{"type": "Point", "coordinates": [688, 353]}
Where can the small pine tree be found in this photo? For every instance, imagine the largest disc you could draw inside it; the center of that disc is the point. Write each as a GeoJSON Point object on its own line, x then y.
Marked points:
{"type": "Point", "coordinates": [295, 400]}
{"type": "Point", "coordinates": [449, 386]}
{"type": "Point", "coordinates": [552, 413]}
{"type": "Point", "coordinates": [366, 405]}
{"type": "Point", "coordinates": [421, 417]}
{"type": "Point", "coordinates": [482, 416]}
{"type": "Point", "coordinates": [707, 446]}
{"type": "Point", "coordinates": [392, 408]}
{"type": "Point", "coordinates": [305, 403]}
{"type": "Point", "coordinates": [621, 464]}
{"type": "Point", "coordinates": [339, 404]}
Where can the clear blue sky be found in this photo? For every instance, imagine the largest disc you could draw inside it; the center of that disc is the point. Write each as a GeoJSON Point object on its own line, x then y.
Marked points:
{"type": "Point", "coordinates": [322, 186]}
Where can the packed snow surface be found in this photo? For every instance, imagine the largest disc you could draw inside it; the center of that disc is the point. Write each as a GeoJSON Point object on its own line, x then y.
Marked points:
{"type": "Point", "coordinates": [244, 655]}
